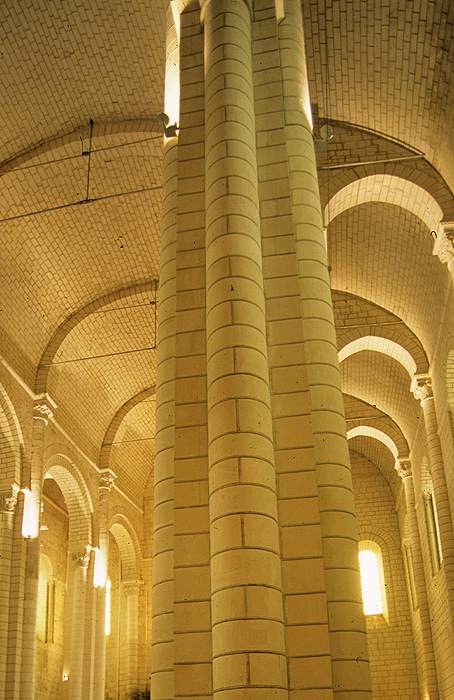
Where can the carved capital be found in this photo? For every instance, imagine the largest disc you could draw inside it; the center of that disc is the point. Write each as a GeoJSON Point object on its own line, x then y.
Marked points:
{"type": "Point", "coordinates": [8, 499]}
{"type": "Point", "coordinates": [403, 468]}
{"type": "Point", "coordinates": [422, 387]}
{"type": "Point", "coordinates": [444, 244]}
{"type": "Point", "coordinates": [81, 559]}
{"type": "Point", "coordinates": [132, 587]}
{"type": "Point", "coordinates": [106, 480]}
{"type": "Point", "coordinates": [43, 408]}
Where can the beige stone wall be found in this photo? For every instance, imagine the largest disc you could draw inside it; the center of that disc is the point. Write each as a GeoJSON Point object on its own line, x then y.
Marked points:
{"type": "Point", "coordinates": [391, 647]}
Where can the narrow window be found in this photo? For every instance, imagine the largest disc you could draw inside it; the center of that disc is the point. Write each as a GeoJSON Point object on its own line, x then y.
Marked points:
{"type": "Point", "coordinates": [372, 579]}
{"type": "Point", "coordinates": [433, 531]}
{"type": "Point", "coordinates": [50, 612]}
{"type": "Point", "coordinates": [108, 605]}
{"type": "Point", "coordinates": [370, 583]}
{"type": "Point", "coordinates": [409, 569]}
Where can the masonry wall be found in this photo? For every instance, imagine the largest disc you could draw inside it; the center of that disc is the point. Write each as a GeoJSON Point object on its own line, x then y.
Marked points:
{"type": "Point", "coordinates": [391, 649]}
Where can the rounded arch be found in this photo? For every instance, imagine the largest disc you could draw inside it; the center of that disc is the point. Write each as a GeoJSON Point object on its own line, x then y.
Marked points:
{"type": "Point", "coordinates": [71, 322]}
{"type": "Point", "coordinates": [116, 421]}
{"type": "Point", "coordinates": [374, 433]}
{"type": "Point", "coordinates": [387, 189]}
{"type": "Point", "coordinates": [100, 129]}
{"type": "Point", "coordinates": [383, 345]}
{"type": "Point", "coordinates": [77, 499]}
{"type": "Point", "coordinates": [11, 442]}
{"type": "Point", "coordinates": [129, 546]}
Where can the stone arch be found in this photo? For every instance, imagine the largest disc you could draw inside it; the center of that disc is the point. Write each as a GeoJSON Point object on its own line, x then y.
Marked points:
{"type": "Point", "coordinates": [71, 322]}
{"type": "Point", "coordinates": [100, 129]}
{"type": "Point", "coordinates": [369, 431]}
{"type": "Point", "coordinates": [11, 443]}
{"type": "Point", "coordinates": [387, 189]}
{"type": "Point", "coordinates": [129, 547]}
{"type": "Point", "coordinates": [116, 422]}
{"type": "Point", "coordinates": [77, 499]}
{"type": "Point", "coordinates": [383, 345]}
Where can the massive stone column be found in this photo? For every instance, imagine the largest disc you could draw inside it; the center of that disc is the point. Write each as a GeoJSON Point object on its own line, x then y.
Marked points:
{"type": "Point", "coordinates": [247, 603]}
{"type": "Point", "coordinates": [248, 632]}
{"type": "Point", "coordinates": [162, 658]}
{"type": "Point", "coordinates": [43, 408]}
{"type": "Point", "coordinates": [351, 677]}
{"type": "Point", "coordinates": [427, 669]}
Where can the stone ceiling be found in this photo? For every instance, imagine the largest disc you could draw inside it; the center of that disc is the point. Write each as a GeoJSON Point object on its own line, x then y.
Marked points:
{"type": "Point", "coordinates": [382, 66]}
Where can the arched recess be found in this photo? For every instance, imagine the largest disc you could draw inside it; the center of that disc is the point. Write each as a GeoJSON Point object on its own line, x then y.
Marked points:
{"type": "Point", "coordinates": [114, 426]}
{"type": "Point", "coordinates": [378, 329]}
{"type": "Point", "coordinates": [369, 431]}
{"type": "Point", "coordinates": [365, 439]}
{"type": "Point", "coordinates": [387, 189]}
{"type": "Point", "coordinates": [126, 611]}
{"type": "Point", "coordinates": [74, 319]}
{"type": "Point", "coordinates": [383, 345]}
{"type": "Point", "coordinates": [129, 547]}
{"type": "Point", "coordinates": [77, 499]}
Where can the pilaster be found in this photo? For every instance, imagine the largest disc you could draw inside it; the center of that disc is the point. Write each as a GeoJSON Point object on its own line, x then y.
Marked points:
{"type": "Point", "coordinates": [427, 671]}
{"type": "Point", "coordinates": [106, 481]}
{"type": "Point", "coordinates": [422, 391]}
{"type": "Point", "coordinates": [43, 409]}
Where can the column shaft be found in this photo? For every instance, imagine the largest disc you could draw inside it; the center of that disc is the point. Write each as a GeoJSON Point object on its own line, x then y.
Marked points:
{"type": "Point", "coordinates": [8, 502]}
{"type": "Point", "coordinates": [351, 675]}
{"type": "Point", "coordinates": [32, 513]}
{"type": "Point", "coordinates": [99, 669]}
{"type": "Point", "coordinates": [441, 495]}
{"type": "Point", "coordinates": [192, 618]}
{"type": "Point", "coordinates": [428, 675]}
{"type": "Point", "coordinates": [132, 635]}
{"type": "Point", "coordinates": [76, 663]}
{"type": "Point", "coordinates": [162, 658]}
{"type": "Point", "coordinates": [248, 634]}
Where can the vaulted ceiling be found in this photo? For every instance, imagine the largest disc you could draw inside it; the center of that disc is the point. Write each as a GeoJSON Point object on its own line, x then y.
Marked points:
{"type": "Point", "coordinates": [77, 228]}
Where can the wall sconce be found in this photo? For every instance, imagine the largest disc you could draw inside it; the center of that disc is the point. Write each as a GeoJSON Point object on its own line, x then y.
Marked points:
{"type": "Point", "coordinates": [30, 520]}
{"type": "Point", "coordinates": [100, 572]}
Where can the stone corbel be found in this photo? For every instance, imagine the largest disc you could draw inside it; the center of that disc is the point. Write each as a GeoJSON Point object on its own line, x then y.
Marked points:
{"type": "Point", "coordinates": [8, 499]}
{"type": "Point", "coordinates": [403, 468]}
{"type": "Point", "coordinates": [106, 480]}
{"type": "Point", "coordinates": [43, 407]}
{"type": "Point", "coordinates": [421, 387]}
{"type": "Point", "coordinates": [444, 244]}
{"type": "Point", "coordinates": [81, 559]}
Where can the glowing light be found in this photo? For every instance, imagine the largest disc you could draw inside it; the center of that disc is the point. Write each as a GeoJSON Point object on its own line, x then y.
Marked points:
{"type": "Point", "coordinates": [65, 677]}
{"type": "Point", "coordinates": [100, 572]}
{"type": "Point", "coordinates": [370, 583]}
{"type": "Point", "coordinates": [30, 520]}
{"type": "Point", "coordinates": [108, 605]}
{"type": "Point", "coordinates": [172, 80]}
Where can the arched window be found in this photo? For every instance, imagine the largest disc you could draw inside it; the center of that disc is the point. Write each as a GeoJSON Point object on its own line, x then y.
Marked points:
{"type": "Point", "coordinates": [372, 579]}
{"type": "Point", "coordinates": [108, 605]}
{"type": "Point", "coordinates": [46, 601]}
{"type": "Point", "coordinates": [433, 530]}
